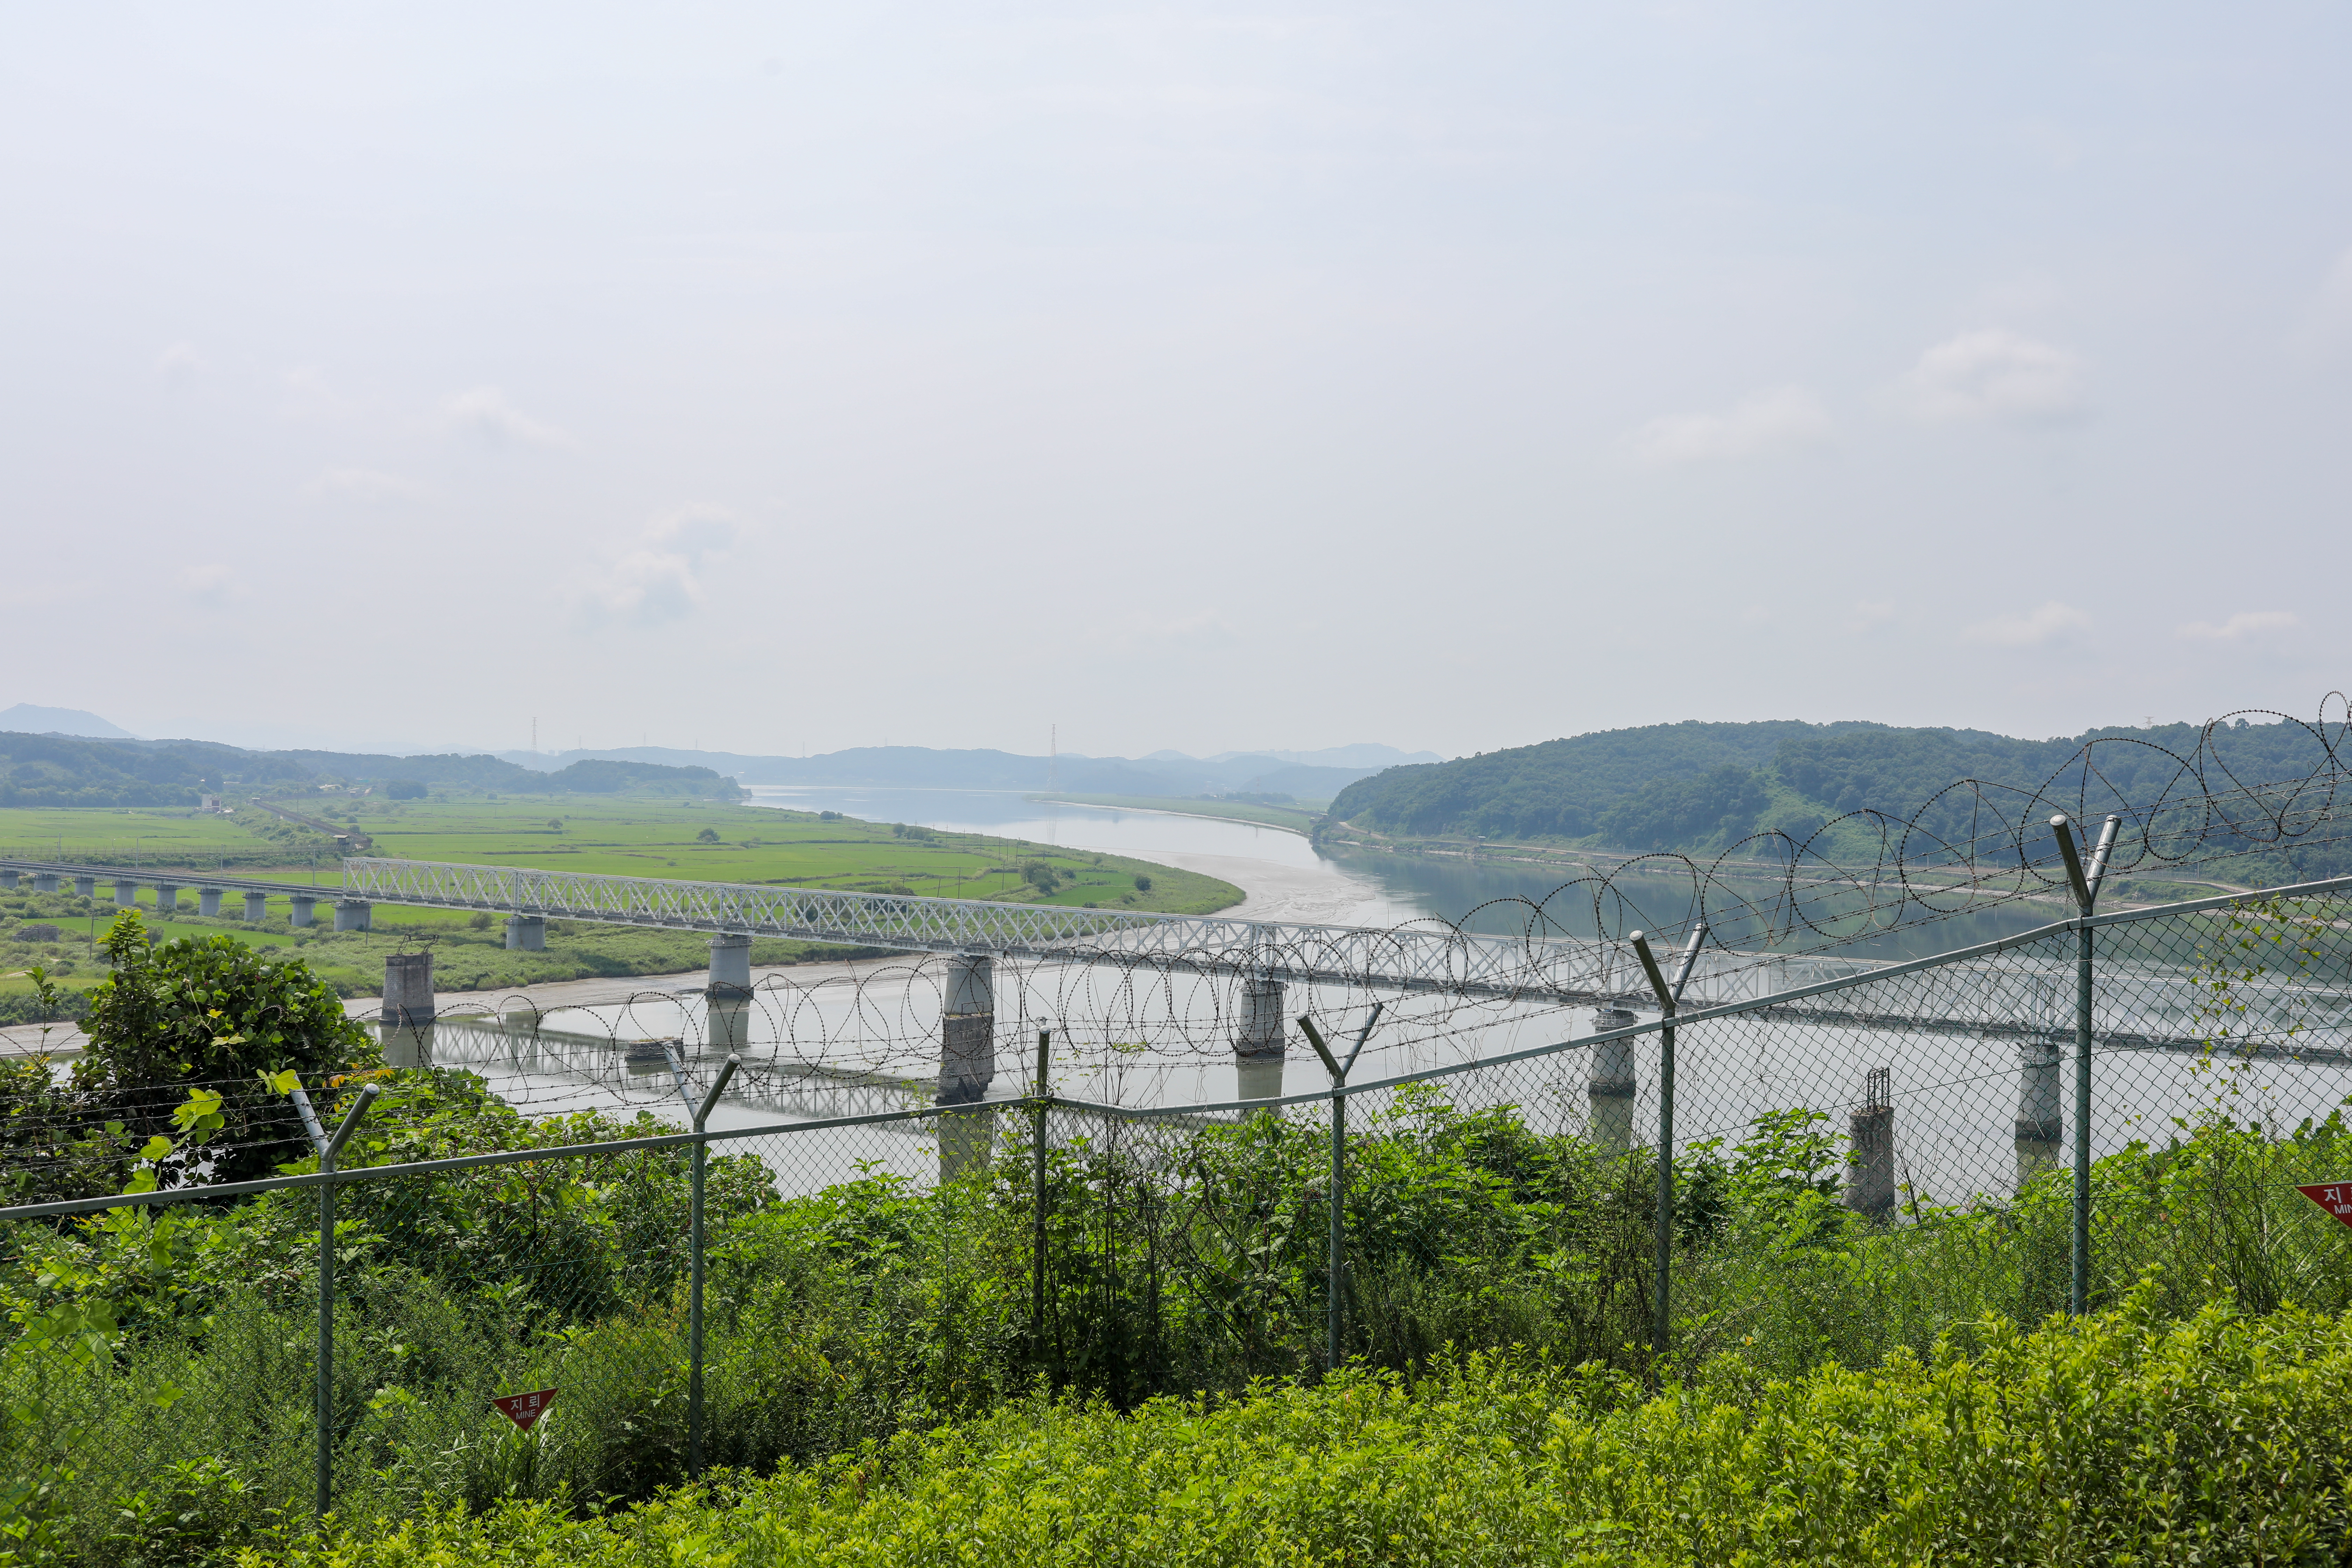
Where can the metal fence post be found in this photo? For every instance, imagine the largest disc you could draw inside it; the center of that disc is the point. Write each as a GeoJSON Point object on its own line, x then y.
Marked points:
{"type": "Point", "coordinates": [324, 1393]}
{"type": "Point", "coordinates": [1335, 1306]}
{"type": "Point", "coordinates": [2086, 885]}
{"type": "Point", "coordinates": [1336, 1291]}
{"type": "Point", "coordinates": [2078, 1293]}
{"type": "Point", "coordinates": [1037, 1189]}
{"type": "Point", "coordinates": [1669, 995]}
{"type": "Point", "coordinates": [694, 1267]}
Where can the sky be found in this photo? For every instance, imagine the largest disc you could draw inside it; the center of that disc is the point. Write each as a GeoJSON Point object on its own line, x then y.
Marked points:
{"type": "Point", "coordinates": [786, 377]}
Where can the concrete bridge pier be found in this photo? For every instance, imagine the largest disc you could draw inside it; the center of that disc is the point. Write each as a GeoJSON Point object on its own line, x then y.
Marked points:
{"type": "Point", "coordinates": [8, 878]}
{"type": "Point", "coordinates": [967, 1065]}
{"type": "Point", "coordinates": [728, 995]}
{"type": "Point", "coordinates": [1870, 1169]}
{"type": "Point", "coordinates": [45, 881]}
{"type": "Point", "coordinates": [167, 897]}
{"type": "Point", "coordinates": [85, 887]}
{"type": "Point", "coordinates": [408, 1023]}
{"type": "Point", "coordinates": [731, 962]}
{"type": "Point", "coordinates": [208, 902]}
{"type": "Point", "coordinates": [1610, 1085]}
{"type": "Point", "coordinates": [526, 933]}
{"type": "Point", "coordinates": [300, 908]}
{"type": "Point", "coordinates": [125, 893]}
{"type": "Point", "coordinates": [1259, 1044]}
{"type": "Point", "coordinates": [256, 906]}
{"type": "Point", "coordinates": [353, 914]}
{"type": "Point", "coordinates": [2040, 1119]}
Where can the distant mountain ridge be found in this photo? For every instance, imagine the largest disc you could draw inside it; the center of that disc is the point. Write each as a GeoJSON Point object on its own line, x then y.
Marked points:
{"type": "Point", "coordinates": [62, 770]}
{"type": "Point", "coordinates": [31, 719]}
{"type": "Point", "coordinates": [923, 767]}
{"type": "Point", "coordinates": [168, 772]}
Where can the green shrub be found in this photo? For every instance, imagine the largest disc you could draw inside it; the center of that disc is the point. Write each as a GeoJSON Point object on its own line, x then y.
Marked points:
{"type": "Point", "coordinates": [2124, 1440]}
{"type": "Point", "coordinates": [200, 1515]}
{"type": "Point", "coordinates": [210, 1011]}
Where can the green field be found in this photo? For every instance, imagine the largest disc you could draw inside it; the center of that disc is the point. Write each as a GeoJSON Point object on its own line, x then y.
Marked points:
{"type": "Point", "coordinates": [1297, 818]}
{"type": "Point", "coordinates": [612, 835]}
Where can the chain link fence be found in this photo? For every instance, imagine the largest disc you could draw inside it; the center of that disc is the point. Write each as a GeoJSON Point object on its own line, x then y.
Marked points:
{"type": "Point", "coordinates": [1859, 1162]}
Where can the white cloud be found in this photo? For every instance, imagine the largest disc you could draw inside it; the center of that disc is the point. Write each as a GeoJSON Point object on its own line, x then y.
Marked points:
{"type": "Point", "coordinates": [178, 364]}
{"type": "Point", "coordinates": [659, 576]}
{"type": "Point", "coordinates": [207, 582]}
{"type": "Point", "coordinates": [2030, 628]}
{"type": "Point", "coordinates": [364, 485]}
{"type": "Point", "coordinates": [309, 397]}
{"type": "Point", "coordinates": [1869, 615]}
{"type": "Point", "coordinates": [485, 411]}
{"type": "Point", "coordinates": [1775, 420]}
{"type": "Point", "coordinates": [1994, 376]}
{"type": "Point", "coordinates": [2245, 623]}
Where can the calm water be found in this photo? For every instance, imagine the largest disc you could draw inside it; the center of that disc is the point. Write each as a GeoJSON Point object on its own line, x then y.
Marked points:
{"type": "Point", "coordinates": [843, 1043]}
{"type": "Point", "coordinates": [1008, 814]}
{"type": "Point", "coordinates": [1488, 895]}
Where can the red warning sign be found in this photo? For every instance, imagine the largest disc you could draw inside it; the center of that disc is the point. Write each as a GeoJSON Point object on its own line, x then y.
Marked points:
{"type": "Point", "coordinates": [2335, 1197]}
{"type": "Point", "coordinates": [523, 1410]}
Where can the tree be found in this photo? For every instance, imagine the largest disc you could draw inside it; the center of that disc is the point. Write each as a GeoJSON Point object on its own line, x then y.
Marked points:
{"type": "Point", "coordinates": [1142, 883]}
{"type": "Point", "coordinates": [404, 789]}
{"type": "Point", "coordinates": [708, 835]}
{"type": "Point", "coordinates": [211, 1014]}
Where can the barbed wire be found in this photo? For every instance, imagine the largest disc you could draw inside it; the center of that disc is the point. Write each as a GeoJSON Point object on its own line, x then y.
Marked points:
{"type": "Point", "coordinates": [874, 1029]}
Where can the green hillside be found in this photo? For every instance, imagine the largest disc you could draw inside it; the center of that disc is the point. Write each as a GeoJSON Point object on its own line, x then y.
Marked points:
{"type": "Point", "coordinates": [59, 770]}
{"type": "Point", "coordinates": [1704, 788]}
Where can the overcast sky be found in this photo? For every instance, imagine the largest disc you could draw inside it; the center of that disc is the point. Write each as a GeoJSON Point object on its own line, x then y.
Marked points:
{"type": "Point", "coordinates": [1203, 376]}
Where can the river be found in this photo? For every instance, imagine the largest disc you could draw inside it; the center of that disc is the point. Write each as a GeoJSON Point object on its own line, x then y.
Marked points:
{"type": "Point", "coordinates": [825, 1041]}
{"type": "Point", "coordinates": [1288, 878]}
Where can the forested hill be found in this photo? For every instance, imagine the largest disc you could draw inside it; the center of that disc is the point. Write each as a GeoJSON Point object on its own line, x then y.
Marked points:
{"type": "Point", "coordinates": [60, 770]}
{"type": "Point", "coordinates": [1698, 787]}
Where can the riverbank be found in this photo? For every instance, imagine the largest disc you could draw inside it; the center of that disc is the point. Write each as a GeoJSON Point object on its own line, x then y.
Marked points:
{"type": "Point", "coordinates": [1299, 819]}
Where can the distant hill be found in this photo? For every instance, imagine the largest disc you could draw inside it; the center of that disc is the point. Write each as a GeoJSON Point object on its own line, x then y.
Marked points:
{"type": "Point", "coordinates": [30, 719]}
{"type": "Point", "coordinates": [922, 767]}
{"type": "Point", "coordinates": [1699, 788]}
{"type": "Point", "coordinates": [56, 769]}
{"type": "Point", "coordinates": [1362, 757]}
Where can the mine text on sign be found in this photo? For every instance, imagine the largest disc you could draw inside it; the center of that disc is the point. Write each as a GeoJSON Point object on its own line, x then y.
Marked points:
{"type": "Point", "coordinates": [2335, 1197]}
{"type": "Point", "coordinates": [522, 1409]}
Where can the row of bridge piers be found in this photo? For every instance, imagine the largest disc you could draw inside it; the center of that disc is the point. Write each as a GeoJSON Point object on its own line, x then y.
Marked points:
{"type": "Point", "coordinates": [302, 904]}
{"type": "Point", "coordinates": [968, 1063]}
{"type": "Point", "coordinates": [525, 933]}
{"type": "Point", "coordinates": [1612, 1086]}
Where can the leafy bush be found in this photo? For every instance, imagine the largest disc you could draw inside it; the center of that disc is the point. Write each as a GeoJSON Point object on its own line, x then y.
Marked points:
{"type": "Point", "coordinates": [212, 1012]}
{"type": "Point", "coordinates": [2121, 1440]}
{"type": "Point", "coordinates": [200, 1516]}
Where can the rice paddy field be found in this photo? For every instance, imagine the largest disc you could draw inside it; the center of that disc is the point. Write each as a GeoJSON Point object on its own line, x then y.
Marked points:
{"type": "Point", "coordinates": [610, 834]}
